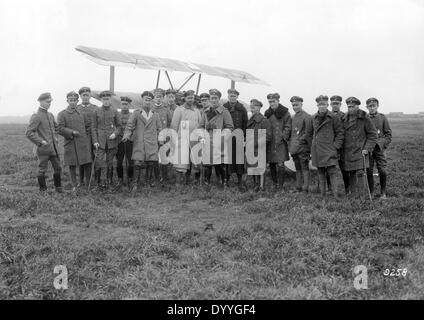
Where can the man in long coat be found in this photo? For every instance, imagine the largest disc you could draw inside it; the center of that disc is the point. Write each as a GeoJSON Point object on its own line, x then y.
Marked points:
{"type": "Point", "coordinates": [257, 122]}
{"type": "Point", "coordinates": [74, 126]}
{"type": "Point", "coordinates": [378, 155]}
{"type": "Point", "coordinates": [239, 116]}
{"type": "Point", "coordinates": [360, 139]}
{"type": "Point", "coordinates": [278, 151]}
{"type": "Point", "coordinates": [87, 109]}
{"type": "Point", "coordinates": [104, 132]}
{"type": "Point", "coordinates": [300, 143]}
{"type": "Point", "coordinates": [327, 140]}
{"type": "Point", "coordinates": [216, 117]}
{"type": "Point", "coordinates": [41, 131]}
{"type": "Point", "coordinates": [184, 115]}
{"type": "Point", "coordinates": [144, 127]}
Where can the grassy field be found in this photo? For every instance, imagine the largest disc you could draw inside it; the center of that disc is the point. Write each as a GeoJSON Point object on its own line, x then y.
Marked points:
{"type": "Point", "coordinates": [262, 246]}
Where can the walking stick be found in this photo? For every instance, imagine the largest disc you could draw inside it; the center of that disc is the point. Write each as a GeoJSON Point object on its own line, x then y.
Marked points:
{"type": "Point", "coordinates": [92, 170]}
{"type": "Point", "coordinates": [366, 178]}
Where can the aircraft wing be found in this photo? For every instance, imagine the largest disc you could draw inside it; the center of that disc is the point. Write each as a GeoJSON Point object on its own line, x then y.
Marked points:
{"type": "Point", "coordinates": [133, 60]}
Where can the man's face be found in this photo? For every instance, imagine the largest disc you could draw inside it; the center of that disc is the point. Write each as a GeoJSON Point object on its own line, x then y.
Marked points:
{"type": "Point", "coordinates": [372, 108]}
{"type": "Point", "coordinates": [72, 101]}
{"type": "Point", "coordinates": [85, 97]}
{"type": "Point", "coordinates": [232, 98]}
{"type": "Point", "coordinates": [158, 99]}
{"type": "Point", "coordinates": [124, 105]}
{"type": "Point", "coordinates": [189, 100]}
{"type": "Point", "coordinates": [335, 106]}
{"type": "Point", "coordinates": [322, 107]}
{"type": "Point", "coordinates": [171, 98]}
{"type": "Point", "coordinates": [273, 103]}
{"type": "Point", "coordinates": [352, 108]}
{"type": "Point", "coordinates": [147, 101]}
{"type": "Point", "coordinates": [297, 106]}
{"type": "Point", "coordinates": [106, 101]}
{"type": "Point", "coordinates": [204, 102]}
{"type": "Point", "coordinates": [46, 103]}
{"type": "Point", "coordinates": [255, 109]}
{"type": "Point", "coordinates": [214, 100]}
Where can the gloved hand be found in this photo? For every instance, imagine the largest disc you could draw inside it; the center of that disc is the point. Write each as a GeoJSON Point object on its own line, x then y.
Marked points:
{"type": "Point", "coordinates": [75, 133]}
{"type": "Point", "coordinates": [364, 152]}
{"type": "Point", "coordinates": [97, 145]}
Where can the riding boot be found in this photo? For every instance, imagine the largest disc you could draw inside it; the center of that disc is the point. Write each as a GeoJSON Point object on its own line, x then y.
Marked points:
{"type": "Point", "coordinates": [280, 173]}
{"type": "Point", "coordinates": [197, 177]}
{"type": "Point", "coordinates": [57, 183]}
{"type": "Point", "coordinates": [155, 172]}
{"type": "Point", "coordinates": [224, 175]}
{"type": "Point", "coordinates": [73, 175]}
{"type": "Point", "coordinates": [42, 183]}
{"type": "Point", "coordinates": [345, 175]}
{"type": "Point", "coordinates": [298, 181]}
{"type": "Point", "coordinates": [87, 173]}
{"type": "Point", "coordinates": [136, 183]}
{"type": "Point", "coordinates": [332, 174]}
{"type": "Point", "coordinates": [273, 169]}
{"type": "Point", "coordinates": [110, 180]}
{"type": "Point", "coordinates": [130, 172]}
{"type": "Point", "coordinates": [328, 180]}
{"type": "Point", "coordinates": [383, 182]}
{"type": "Point", "coordinates": [370, 177]}
{"type": "Point", "coordinates": [187, 177]}
{"type": "Point", "coordinates": [81, 175]}
{"type": "Point", "coordinates": [353, 181]}
{"type": "Point", "coordinates": [306, 178]}
{"type": "Point", "coordinates": [208, 174]}
{"type": "Point", "coordinates": [98, 175]}
{"type": "Point", "coordinates": [120, 172]}
{"type": "Point", "coordinates": [361, 187]}
{"type": "Point", "coordinates": [322, 181]}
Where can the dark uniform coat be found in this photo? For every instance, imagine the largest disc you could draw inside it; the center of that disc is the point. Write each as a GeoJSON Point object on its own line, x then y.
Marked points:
{"type": "Point", "coordinates": [301, 134]}
{"type": "Point", "coordinates": [383, 130]}
{"type": "Point", "coordinates": [106, 120]}
{"type": "Point", "coordinates": [125, 116]}
{"type": "Point", "coordinates": [256, 122]}
{"type": "Point", "coordinates": [144, 133]}
{"type": "Point", "coordinates": [281, 124]}
{"type": "Point", "coordinates": [42, 126]}
{"type": "Point", "coordinates": [77, 149]}
{"type": "Point", "coordinates": [360, 134]}
{"type": "Point", "coordinates": [327, 140]}
{"type": "Point", "coordinates": [88, 110]}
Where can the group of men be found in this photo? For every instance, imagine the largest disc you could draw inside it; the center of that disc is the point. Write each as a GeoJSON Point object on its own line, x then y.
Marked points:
{"type": "Point", "coordinates": [95, 136]}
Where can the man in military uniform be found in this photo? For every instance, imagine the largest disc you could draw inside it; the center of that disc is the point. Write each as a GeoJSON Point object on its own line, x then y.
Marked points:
{"type": "Point", "coordinates": [204, 102]}
{"type": "Point", "coordinates": [239, 116]}
{"type": "Point", "coordinates": [88, 110]}
{"type": "Point", "coordinates": [41, 131]}
{"type": "Point", "coordinates": [384, 138]}
{"type": "Point", "coordinates": [300, 143]}
{"type": "Point", "coordinates": [165, 116]}
{"type": "Point", "coordinates": [359, 142]}
{"type": "Point", "coordinates": [170, 100]}
{"type": "Point", "coordinates": [336, 103]}
{"type": "Point", "coordinates": [105, 129]}
{"type": "Point", "coordinates": [124, 148]}
{"type": "Point", "coordinates": [327, 140]}
{"type": "Point", "coordinates": [278, 151]}
{"type": "Point", "coordinates": [74, 126]}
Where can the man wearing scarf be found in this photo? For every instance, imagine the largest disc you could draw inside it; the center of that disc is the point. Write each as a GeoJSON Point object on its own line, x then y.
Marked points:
{"type": "Point", "coordinates": [360, 140]}
{"type": "Point", "coordinates": [74, 126]}
{"type": "Point", "coordinates": [327, 140]}
{"type": "Point", "coordinates": [277, 153]}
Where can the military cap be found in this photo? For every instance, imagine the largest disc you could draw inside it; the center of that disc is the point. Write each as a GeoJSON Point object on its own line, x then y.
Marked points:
{"type": "Point", "coordinates": [296, 99]}
{"type": "Point", "coordinates": [126, 99]}
{"type": "Point", "coordinates": [84, 90]}
{"type": "Point", "coordinates": [189, 93]}
{"type": "Point", "coordinates": [147, 94]}
{"type": "Point", "coordinates": [215, 92]}
{"type": "Point", "coordinates": [105, 93]}
{"type": "Point", "coordinates": [321, 98]}
{"type": "Point", "coordinates": [372, 100]}
{"type": "Point", "coordinates": [273, 96]}
{"type": "Point", "coordinates": [233, 91]}
{"type": "Point", "coordinates": [256, 102]}
{"type": "Point", "coordinates": [44, 96]}
{"type": "Point", "coordinates": [204, 96]}
{"type": "Point", "coordinates": [170, 91]}
{"type": "Point", "coordinates": [336, 98]}
{"type": "Point", "coordinates": [158, 91]}
{"type": "Point", "coordinates": [72, 94]}
{"type": "Point", "coordinates": [353, 100]}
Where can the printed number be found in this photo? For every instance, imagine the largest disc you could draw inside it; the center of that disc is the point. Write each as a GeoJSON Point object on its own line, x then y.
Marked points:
{"type": "Point", "coordinates": [395, 272]}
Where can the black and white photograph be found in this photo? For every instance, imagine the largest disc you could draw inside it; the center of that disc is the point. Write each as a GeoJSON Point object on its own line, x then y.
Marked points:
{"type": "Point", "coordinates": [211, 154]}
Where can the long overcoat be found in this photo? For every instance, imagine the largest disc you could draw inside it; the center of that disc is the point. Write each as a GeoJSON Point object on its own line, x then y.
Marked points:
{"type": "Point", "coordinates": [106, 120]}
{"type": "Point", "coordinates": [281, 124]}
{"type": "Point", "coordinates": [301, 134]}
{"type": "Point", "coordinates": [77, 149]}
{"type": "Point", "coordinates": [256, 123]}
{"type": "Point", "coordinates": [327, 140]}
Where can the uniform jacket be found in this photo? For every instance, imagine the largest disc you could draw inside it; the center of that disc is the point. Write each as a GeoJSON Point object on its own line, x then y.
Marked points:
{"type": "Point", "coordinates": [281, 124]}
{"type": "Point", "coordinates": [383, 130]}
{"type": "Point", "coordinates": [218, 118]}
{"type": "Point", "coordinates": [339, 114]}
{"type": "Point", "coordinates": [256, 122]}
{"type": "Point", "coordinates": [301, 134]}
{"type": "Point", "coordinates": [144, 135]}
{"type": "Point", "coordinates": [77, 149]}
{"type": "Point", "coordinates": [106, 120]}
{"type": "Point", "coordinates": [165, 115]}
{"type": "Point", "coordinates": [88, 110]}
{"type": "Point", "coordinates": [42, 126]}
{"type": "Point", "coordinates": [327, 140]}
{"type": "Point", "coordinates": [125, 116]}
{"type": "Point", "coordinates": [238, 115]}
{"type": "Point", "coordinates": [360, 134]}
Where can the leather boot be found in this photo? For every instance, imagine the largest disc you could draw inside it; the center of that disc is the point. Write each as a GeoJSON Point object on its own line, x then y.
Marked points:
{"type": "Point", "coordinates": [370, 176]}
{"type": "Point", "coordinates": [136, 183]}
{"type": "Point", "coordinates": [110, 175]}
{"type": "Point", "coordinates": [224, 175]}
{"type": "Point", "coordinates": [322, 182]}
{"type": "Point", "coordinates": [361, 187]}
{"type": "Point", "coordinates": [306, 179]}
{"type": "Point", "coordinates": [42, 183]}
{"type": "Point", "coordinates": [273, 169]}
{"type": "Point", "coordinates": [383, 182]}
{"type": "Point", "coordinates": [98, 175]}
{"type": "Point", "coordinates": [87, 174]}
{"type": "Point", "coordinates": [130, 172]}
{"type": "Point", "coordinates": [208, 174]}
{"type": "Point", "coordinates": [81, 175]}
{"type": "Point", "coordinates": [281, 177]}
{"type": "Point", "coordinates": [345, 175]}
{"type": "Point", "coordinates": [329, 185]}
{"type": "Point", "coordinates": [333, 180]}
{"type": "Point", "coordinates": [57, 183]}
{"type": "Point", "coordinates": [73, 175]}
{"type": "Point", "coordinates": [298, 181]}
{"type": "Point", "coordinates": [187, 177]}
{"type": "Point", "coordinates": [120, 172]}
{"type": "Point", "coordinates": [197, 177]}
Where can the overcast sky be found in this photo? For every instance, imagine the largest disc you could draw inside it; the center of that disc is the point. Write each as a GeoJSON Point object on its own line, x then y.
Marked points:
{"type": "Point", "coordinates": [300, 47]}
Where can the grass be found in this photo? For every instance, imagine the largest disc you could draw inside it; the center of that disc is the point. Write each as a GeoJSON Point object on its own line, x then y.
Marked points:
{"type": "Point", "coordinates": [262, 246]}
